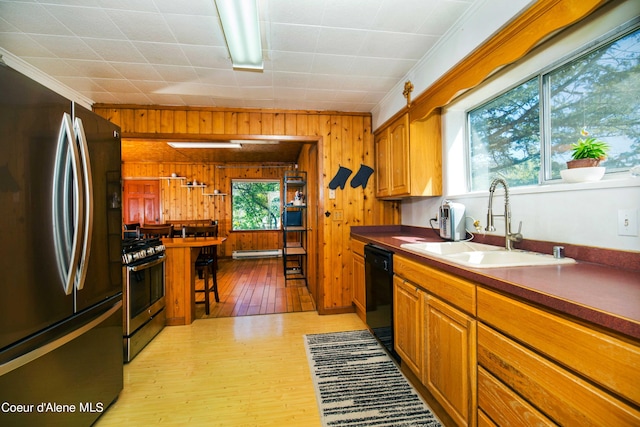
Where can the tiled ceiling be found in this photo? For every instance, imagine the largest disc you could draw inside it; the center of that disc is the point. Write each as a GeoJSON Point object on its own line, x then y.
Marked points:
{"type": "Point", "coordinates": [343, 55]}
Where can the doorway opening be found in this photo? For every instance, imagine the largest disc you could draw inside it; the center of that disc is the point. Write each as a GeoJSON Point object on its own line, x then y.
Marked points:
{"type": "Point", "coordinates": [175, 196]}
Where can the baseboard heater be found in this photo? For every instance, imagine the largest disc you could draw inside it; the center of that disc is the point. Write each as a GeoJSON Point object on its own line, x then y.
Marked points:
{"type": "Point", "coordinates": [269, 253]}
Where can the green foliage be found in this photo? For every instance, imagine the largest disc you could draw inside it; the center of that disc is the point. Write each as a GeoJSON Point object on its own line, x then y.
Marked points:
{"type": "Point", "coordinates": [505, 137]}
{"type": "Point", "coordinates": [255, 205]}
{"type": "Point", "coordinates": [589, 148]}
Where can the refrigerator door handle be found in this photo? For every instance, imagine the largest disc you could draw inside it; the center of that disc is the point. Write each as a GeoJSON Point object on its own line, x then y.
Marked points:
{"type": "Point", "coordinates": [88, 202]}
{"type": "Point", "coordinates": [67, 188]}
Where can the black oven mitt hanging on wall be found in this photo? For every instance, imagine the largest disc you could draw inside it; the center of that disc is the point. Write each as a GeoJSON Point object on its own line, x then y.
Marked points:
{"type": "Point", "coordinates": [362, 177]}
{"type": "Point", "coordinates": [340, 179]}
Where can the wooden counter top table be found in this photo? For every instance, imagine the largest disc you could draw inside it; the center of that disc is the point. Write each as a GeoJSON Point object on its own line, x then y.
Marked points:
{"type": "Point", "coordinates": [180, 276]}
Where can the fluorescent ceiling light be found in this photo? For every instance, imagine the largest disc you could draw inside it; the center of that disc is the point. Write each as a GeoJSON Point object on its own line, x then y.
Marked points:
{"type": "Point", "coordinates": [241, 28]}
{"type": "Point", "coordinates": [204, 145]}
{"type": "Point", "coordinates": [255, 141]}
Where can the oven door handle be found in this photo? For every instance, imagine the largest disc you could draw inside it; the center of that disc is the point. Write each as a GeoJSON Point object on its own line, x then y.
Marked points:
{"type": "Point", "coordinates": [148, 264]}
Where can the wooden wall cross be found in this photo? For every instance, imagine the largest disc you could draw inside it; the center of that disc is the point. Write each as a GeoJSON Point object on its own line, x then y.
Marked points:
{"type": "Point", "coordinates": [408, 88]}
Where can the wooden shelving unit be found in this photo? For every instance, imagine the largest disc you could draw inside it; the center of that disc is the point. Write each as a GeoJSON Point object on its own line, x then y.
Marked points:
{"type": "Point", "coordinates": [294, 226]}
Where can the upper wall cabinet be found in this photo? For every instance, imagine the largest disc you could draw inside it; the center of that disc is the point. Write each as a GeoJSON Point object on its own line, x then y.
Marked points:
{"type": "Point", "coordinates": [409, 158]}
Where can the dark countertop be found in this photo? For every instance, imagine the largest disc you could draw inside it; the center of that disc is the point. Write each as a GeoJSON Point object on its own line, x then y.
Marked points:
{"type": "Point", "coordinates": [603, 294]}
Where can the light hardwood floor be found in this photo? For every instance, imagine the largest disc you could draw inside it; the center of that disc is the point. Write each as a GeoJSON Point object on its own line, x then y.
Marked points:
{"type": "Point", "coordinates": [255, 286]}
{"type": "Point", "coordinates": [233, 371]}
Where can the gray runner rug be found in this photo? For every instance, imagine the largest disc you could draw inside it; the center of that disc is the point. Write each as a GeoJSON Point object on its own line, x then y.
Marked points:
{"type": "Point", "coordinates": [358, 384]}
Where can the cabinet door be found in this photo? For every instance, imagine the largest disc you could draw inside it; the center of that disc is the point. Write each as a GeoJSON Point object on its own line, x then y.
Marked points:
{"type": "Point", "coordinates": [450, 360]}
{"type": "Point", "coordinates": [399, 157]}
{"type": "Point", "coordinates": [381, 146]}
{"type": "Point", "coordinates": [408, 326]}
{"type": "Point", "coordinates": [425, 157]}
{"type": "Point", "coordinates": [357, 288]}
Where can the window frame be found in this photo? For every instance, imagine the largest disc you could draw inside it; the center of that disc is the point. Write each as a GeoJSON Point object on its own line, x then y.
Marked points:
{"type": "Point", "coordinates": [467, 144]}
{"type": "Point", "coordinates": [256, 180]}
{"type": "Point", "coordinates": [545, 172]}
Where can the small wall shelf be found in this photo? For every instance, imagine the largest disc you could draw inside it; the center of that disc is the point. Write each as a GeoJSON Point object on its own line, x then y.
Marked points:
{"type": "Point", "coordinates": [191, 186]}
{"type": "Point", "coordinates": [169, 178]}
{"type": "Point", "coordinates": [194, 186]}
{"type": "Point", "coordinates": [214, 194]}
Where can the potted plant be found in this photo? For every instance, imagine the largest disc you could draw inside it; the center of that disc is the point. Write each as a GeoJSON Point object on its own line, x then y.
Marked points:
{"type": "Point", "coordinates": [587, 152]}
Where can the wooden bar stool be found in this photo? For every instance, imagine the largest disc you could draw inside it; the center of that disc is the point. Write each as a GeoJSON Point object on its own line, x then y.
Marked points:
{"type": "Point", "coordinates": [206, 263]}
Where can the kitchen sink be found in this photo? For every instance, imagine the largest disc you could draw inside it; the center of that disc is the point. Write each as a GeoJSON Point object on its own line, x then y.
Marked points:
{"type": "Point", "coordinates": [504, 258]}
{"type": "Point", "coordinates": [448, 248]}
{"type": "Point", "coordinates": [479, 255]}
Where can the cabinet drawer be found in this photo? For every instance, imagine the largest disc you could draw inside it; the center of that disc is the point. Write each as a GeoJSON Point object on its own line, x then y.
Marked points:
{"type": "Point", "coordinates": [606, 360]}
{"type": "Point", "coordinates": [484, 420]}
{"type": "Point", "coordinates": [357, 247]}
{"type": "Point", "coordinates": [503, 406]}
{"type": "Point", "coordinates": [450, 288]}
{"type": "Point", "coordinates": [563, 397]}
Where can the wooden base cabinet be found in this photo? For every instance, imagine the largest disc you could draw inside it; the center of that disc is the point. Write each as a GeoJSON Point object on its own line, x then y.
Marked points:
{"type": "Point", "coordinates": [358, 290]}
{"type": "Point", "coordinates": [492, 360]}
{"type": "Point", "coordinates": [408, 328]}
{"type": "Point", "coordinates": [435, 337]}
{"type": "Point", "coordinates": [450, 359]}
{"type": "Point", "coordinates": [538, 368]}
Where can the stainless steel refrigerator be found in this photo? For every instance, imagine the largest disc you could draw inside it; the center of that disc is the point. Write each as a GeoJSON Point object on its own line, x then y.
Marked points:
{"type": "Point", "coordinates": [60, 262]}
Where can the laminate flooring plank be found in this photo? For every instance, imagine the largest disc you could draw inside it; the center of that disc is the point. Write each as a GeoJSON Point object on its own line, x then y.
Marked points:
{"type": "Point", "coordinates": [226, 372]}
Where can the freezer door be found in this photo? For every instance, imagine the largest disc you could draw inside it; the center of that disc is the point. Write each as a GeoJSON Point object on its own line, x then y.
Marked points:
{"type": "Point", "coordinates": [82, 368]}
{"type": "Point", "coordinates": [103, 263]}
{"type": "Point", "coordinates": [32, 295]}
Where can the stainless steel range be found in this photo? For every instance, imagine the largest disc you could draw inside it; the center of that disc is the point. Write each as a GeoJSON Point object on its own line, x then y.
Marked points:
{"type": "Point", "coordinates": [144, 293]}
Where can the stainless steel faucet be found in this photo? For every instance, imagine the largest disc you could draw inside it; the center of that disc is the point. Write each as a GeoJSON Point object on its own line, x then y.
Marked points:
{"type": "Point", "coordinates": [509, 237]}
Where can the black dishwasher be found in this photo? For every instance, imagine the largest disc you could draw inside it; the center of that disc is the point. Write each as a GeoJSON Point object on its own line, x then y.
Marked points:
{"type": "Point", "coordinates": [379, 286]}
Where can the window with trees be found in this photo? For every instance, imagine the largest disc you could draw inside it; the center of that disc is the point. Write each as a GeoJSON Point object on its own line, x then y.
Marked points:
{"type": "Point", "coordinates": [525, 134]}
{"type": "Point", "coordinates": [255, 204]}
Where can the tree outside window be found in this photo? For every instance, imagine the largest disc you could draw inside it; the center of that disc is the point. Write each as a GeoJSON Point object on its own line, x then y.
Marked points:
{"type": "Point", "coordinates": [255, 204]}
{"type": "Point", "coordinates": [597, 94]}
{"type": "Point", "coordinates": [505, 138]}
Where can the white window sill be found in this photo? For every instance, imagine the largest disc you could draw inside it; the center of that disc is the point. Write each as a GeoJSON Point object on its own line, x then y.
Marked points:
{"type": "Point", "coordinates": [622, 180]}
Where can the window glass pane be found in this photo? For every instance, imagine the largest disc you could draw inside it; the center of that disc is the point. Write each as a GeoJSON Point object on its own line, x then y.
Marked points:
{"type": "Point", "coordinates": [255, 205]}
{"type": "Point", "coordinates": [505, 138]}
{"type": "Point", "coordinates": [598, 94]}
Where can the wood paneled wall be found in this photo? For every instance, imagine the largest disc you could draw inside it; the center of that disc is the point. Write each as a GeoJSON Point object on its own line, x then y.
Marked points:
{"type": "Point", "coordinates": [341, 139]}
